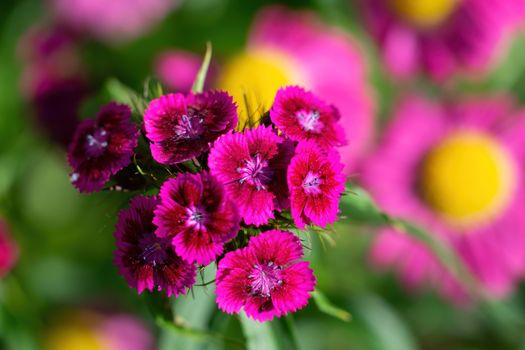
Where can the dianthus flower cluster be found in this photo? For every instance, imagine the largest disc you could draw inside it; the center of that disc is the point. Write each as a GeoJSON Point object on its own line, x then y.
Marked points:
{"type": "Point", "coordinates": [212, 193]}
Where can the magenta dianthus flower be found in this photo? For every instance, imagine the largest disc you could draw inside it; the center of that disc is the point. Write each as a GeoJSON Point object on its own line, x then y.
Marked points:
{"type": "Point", "coordinates": [264, 278]}
{"type": "Point", "coordinates": [101, 147]}
{"type": "Point", "coordinates": [253, 166]}
{"type": "Point", "coordinates": [316, 182]}
{"type": "Point", "coordinates": [181, 127]}
{"type": "Point", "coordinates": [145, 260]}
{"type": "Point", "coordinates": [301, 116]}
{"type": "Point", "coordinates": [196, 215]}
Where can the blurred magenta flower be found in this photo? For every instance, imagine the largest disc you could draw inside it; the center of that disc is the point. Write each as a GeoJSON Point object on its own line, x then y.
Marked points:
{"type": "Point", "coordinates": [147, 261]}
{"type": "Point", "coordinates": [112, 21]}
{"type": "Point", "coordinates": [441, 37]}
{"type": "Point", "coordinates": [177, 69]}
{"type": "Point", "coordinates": [286, 47]}
{"type": "Point", "coordinates": [91, 330]}
{"type": "Point", "coordinates": [457, 170]}
{"type": "Point", "coordinates": [56, 103]}
{"type": "Point", "coordinates": [53, 80]}
{"type": "Point", "coordinates": [8, 250]}
{"type": "Point", "coordinates": [265, 278]}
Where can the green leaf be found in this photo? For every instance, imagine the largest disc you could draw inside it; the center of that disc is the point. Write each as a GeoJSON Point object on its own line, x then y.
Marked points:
{"type": "Point", "coordinates": [361, 209]}
{"type": "Point", "coordinates": [192, 314]}
{"type": "Point", "coordinates": [288, 326]}
{"type": "Point", "coordinates": [152, 89]}
{"type": "Point", "coordinates": [511, 70]}
{"type": "Point", "coordinates": [197, 335]}
{"type": "Point", "coordinates": [259, 335]}
{"type": "Point", "coordinates": [328, 308]}
{"type": "Point", "coordinates": [198, 84]}
{"type": "Point", "coordinates": [389, 331]}
{"type": "Point", "coordinates": [444, 254]}
{"type": "Point", "coordinates": [124, 94]}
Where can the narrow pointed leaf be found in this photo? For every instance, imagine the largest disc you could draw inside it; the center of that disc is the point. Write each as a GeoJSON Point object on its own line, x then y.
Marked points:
{"type": "Point", "coordinates": [259, 336]}
{"type": "Point", "coordinates": [198, 84]}
{"type": "Point", "coordinates": [328, 308]}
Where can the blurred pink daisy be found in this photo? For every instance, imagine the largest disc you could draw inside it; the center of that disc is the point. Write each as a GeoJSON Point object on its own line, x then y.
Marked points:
{"type": "Point", "coordinates": [287, 47]}
{"type": "Point", "coordinates": [182, 127]}
{"type": "Point", "coordinates": [196, 215]}
{"type": "Point", "coordinates": [316, 182]}
{"type": "Point", "coordinates": [253, 166]}
{"type": "Point", "coordinates": [265, 278]}
{"type": "Point", "coordinates": [441, 37]}
{"type": "Point", "coordinates": [145, 260]}
{"type": "Point", "coordinates": [455, 170]}
{"type": "Point", "coordinates": [302, 116]}
{"type": "Point", "coordinates": [112, 21]}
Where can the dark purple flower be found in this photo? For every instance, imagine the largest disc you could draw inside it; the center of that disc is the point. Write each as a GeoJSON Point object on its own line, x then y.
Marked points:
{"type": "Point", "coordinates": [253, 167]}
{"type": "Point", "coordinates": [56, 103]}
{"type": "Point", "coordinates": [145, 260]}
{"type": "Point", "coordinates": [302, 116]}
{"type": "Point", "coordinates": [265, 278]}
{"type": "Point", "coordinates": [196, 216]}
{"type": "Point", "coordinates": [53, 79]}
{"type": "Point", "coordinates": [181, 127]}
{"type": "Point", "coordinates": [101, 147]}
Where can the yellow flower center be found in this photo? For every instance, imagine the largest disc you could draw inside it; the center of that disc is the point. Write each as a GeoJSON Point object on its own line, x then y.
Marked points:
{"type": "Point", "coordinates": [253, 78]}
{"type": "Point", "coordinates": [74, 337]}
{"type": "Point", "coordinates": [468, 179]}
{"type": "Point", "coordinates": [76, 331]}
{"type": "Point", "coordinates": [424, 13]}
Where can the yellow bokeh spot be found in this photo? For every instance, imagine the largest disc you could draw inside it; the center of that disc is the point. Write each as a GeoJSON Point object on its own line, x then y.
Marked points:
{"type": "Point", "coordinates": [424, 13]}
{"type": "Point", "coordinates": [253, 77]}
{"type": "Point", "coordinates": [468, 178]}
{"type": "Point", "coordinates": [75, 332]}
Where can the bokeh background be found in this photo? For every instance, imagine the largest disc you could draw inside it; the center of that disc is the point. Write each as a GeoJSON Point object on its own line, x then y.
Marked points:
{"type": "Point", "coordinates": [58, 65]}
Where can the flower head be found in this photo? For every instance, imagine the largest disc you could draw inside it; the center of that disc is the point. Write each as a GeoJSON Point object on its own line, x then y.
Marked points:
{"type": "Point", "coordinates": [101, 147]}
{"type": "Point", "coordinates": [441, 37]}
{"type": "Point", "coordinates": [181, 127]}
{"type": "Point", "coordinates": [145, 260]}
{"type": "Point", "coordinates": [265, 277]}
{"type": "Point", "coordinates": [301, 116]}
{"type": "Point", "coordinates": [8, 250]}
{"type": "Point", "coordinates": [455, 170]}
{"type": "Point", "coordinates": [316, 182]}
{"type": "Point", "coordinates": [195, 214]}
{"type": "Point", "coordinates": [253, 166]}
